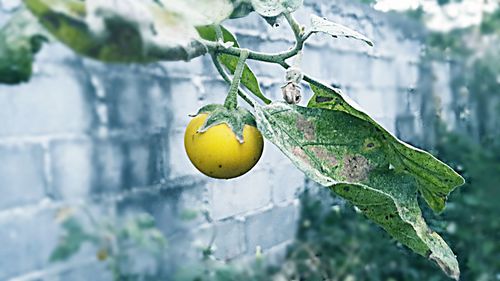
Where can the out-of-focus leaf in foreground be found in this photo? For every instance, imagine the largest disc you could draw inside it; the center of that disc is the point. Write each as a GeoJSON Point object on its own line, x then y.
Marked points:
{"type": "Point", "coordinates": [121, 31]}
{"type": "Point", "coordinates": [355, 159]}
{"type": "Point", "coordinates": [20, 39]}
{"type": "Point", "coordinates": [274, 8]}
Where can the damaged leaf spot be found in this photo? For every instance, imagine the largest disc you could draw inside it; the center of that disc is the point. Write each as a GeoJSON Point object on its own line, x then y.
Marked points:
{"type": "Point", "coordinates": [307, 128]}
{"type": "Point", "coordinates": [370, 144]}
{"type": "Point", "coordinates": [297, 151]}
{"type": "Point", "coordinates": [320, 99]}
{"type": "Point", "coordinates": [325, 155]}
{"type": "Point", "coordinates": [355, 168]}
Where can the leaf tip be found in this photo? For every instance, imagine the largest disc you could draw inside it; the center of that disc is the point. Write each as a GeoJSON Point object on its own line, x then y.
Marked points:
{"type": "Point", "coordinates": [449, 267]}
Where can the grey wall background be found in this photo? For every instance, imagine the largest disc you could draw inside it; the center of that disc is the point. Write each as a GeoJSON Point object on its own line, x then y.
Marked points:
{"type": "Point", "coordinates": [110, 137]}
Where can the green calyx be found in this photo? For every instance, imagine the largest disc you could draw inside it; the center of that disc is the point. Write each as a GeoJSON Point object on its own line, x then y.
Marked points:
{"type": "Point", "coordinates": [235, 119]}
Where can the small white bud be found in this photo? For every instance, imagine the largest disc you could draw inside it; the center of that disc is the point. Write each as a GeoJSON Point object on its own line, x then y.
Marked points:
{"type": "Point", "coordinates": [294, 74]}
{"type": "Point", "coordinates": [291, 93]}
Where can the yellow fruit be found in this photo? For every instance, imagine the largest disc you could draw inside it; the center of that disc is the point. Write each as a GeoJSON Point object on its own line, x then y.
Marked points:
{"type": "Point", "coordinates": [217, 152]}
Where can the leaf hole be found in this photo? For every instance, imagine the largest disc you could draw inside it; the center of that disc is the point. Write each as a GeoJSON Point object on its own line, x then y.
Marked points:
{"type": "Point", "coordinates": [323, 99]}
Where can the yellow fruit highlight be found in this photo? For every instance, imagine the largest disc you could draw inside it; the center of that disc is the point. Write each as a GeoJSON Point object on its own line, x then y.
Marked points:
{"type": "Point", "coordinates": [217, 152]}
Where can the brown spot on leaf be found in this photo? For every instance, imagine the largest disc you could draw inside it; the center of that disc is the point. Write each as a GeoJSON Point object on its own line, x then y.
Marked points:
{"type": "Point", "coordinates": [325, 155]}
{"type": "Point", "coordinates": [356, 168]}
{"type": "Point", "coordinates": [297, 151]}
{"type": "Point", "coordinates": [307, 128]}
{"type": "Point", "coordinates": [320, 99]}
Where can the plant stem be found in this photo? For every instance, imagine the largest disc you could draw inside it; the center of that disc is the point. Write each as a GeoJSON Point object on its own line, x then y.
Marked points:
{"type": "Point", "coordinates": [217, 47]}
{"type": "Point", "coordinates": [277, 58]}
{"type": "Point", "coordinates": [296, 28]}
{"type": "Point", "coordinates": [218, 33]}
{"type": "Point", "coordinates": [232, 98]}
{"type": "Point", "coordinates": [226, 77]}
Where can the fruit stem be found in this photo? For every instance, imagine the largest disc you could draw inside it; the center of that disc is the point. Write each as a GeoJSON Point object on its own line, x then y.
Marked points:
{"type": "Point", "coordinates": [226, 78]}
{"type": "Point", "coordinates": [232, 97]}
{"type": "Point", "coordinates": [218, 33]}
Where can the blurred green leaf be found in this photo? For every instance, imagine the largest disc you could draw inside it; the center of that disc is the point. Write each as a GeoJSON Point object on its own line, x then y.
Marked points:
{"type": "Point", "coordinates": [126, 31]}
{"type": "Point", "coordinates": [189, 215]}
{"type": "Point", "coordinates": [241, 8]}
{"type": "Point", "coordinates": [20, 39]}
{"type": "Point", "coordinates": [71, 241]}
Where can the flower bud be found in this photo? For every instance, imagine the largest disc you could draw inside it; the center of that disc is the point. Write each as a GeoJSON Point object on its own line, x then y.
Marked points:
{"type": "Point", "coordinates": [291, 93]}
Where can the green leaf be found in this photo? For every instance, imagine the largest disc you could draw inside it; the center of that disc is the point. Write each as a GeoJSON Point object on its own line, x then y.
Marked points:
{"type": "Point", "coordinates": [351, 157]}
{"type": "Point", "coordinates": [20, 39]}
{"type": "Point", "coordinates": [435, 180]}
{"type": "Point", "coordinates": [336, 30]}
{"type": "Point", "coordinates": [275, 8]}
{"type": "Point", "coordinates": [119, 31]}
{"type": "Point", "coordinates": [248, 78]}
{"type": "Point", "coordinates": [71, 242]}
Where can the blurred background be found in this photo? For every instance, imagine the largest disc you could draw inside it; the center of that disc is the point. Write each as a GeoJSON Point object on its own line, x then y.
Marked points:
{"type": "Point", "coordinates": [95, 184]}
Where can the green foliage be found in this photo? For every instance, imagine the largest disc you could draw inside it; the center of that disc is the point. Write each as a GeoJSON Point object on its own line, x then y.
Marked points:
{"type": "Point", "coordinates": [333, 142]}
{"type": "Point", "coordinates": [491, 23]}
{"type": "Point", "coordinates": [115, 239]}
{"type": "Point", "coordinates": [473, 217]}
{"type": "Point", "coordinates": [446, 41]}
{"type": "Point", "coordinates": [331, 238]}
{"type": "Point", "coordinates": [71, 241]}
{"type": "Point", "coordinates": [105, 33]}
{"type": "Point", "coordinates": [368, 167]}
{"type": "Point", "coordinates": [434, 179]}
{"type": "Point", "coordinates": [334, 243]}
{"type": "Point", "coordinates": [20, 39]}
{"type": "Point", "coordinates": [248, 78]}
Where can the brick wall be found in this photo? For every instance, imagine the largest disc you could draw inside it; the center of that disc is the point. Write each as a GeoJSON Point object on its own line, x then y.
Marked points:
{"type": "Point", "coordinates": [108, 137]}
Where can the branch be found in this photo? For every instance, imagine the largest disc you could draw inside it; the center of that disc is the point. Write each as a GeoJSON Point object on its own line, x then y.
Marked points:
{"type": "Point", "coordinates": [218, 47]}
{"type": "Point", "coordinates": [276, 58]}
{"type": "Point", "coordinates": [296, 28]}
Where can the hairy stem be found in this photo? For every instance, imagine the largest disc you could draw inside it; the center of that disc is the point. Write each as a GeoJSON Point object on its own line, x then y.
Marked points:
{"type": "Point", "coordinates": [232, 98]}
{"type": "Point", "coordinates": [226, 78]}
{"type": "Point", "coordinates": [296, 28]}
{"type": "Point", "coordinates": [277, 58]}
{"type": "Point", "coordinates": [218, 33]}
{"type": "Point", "coordinates": [217, 47]}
